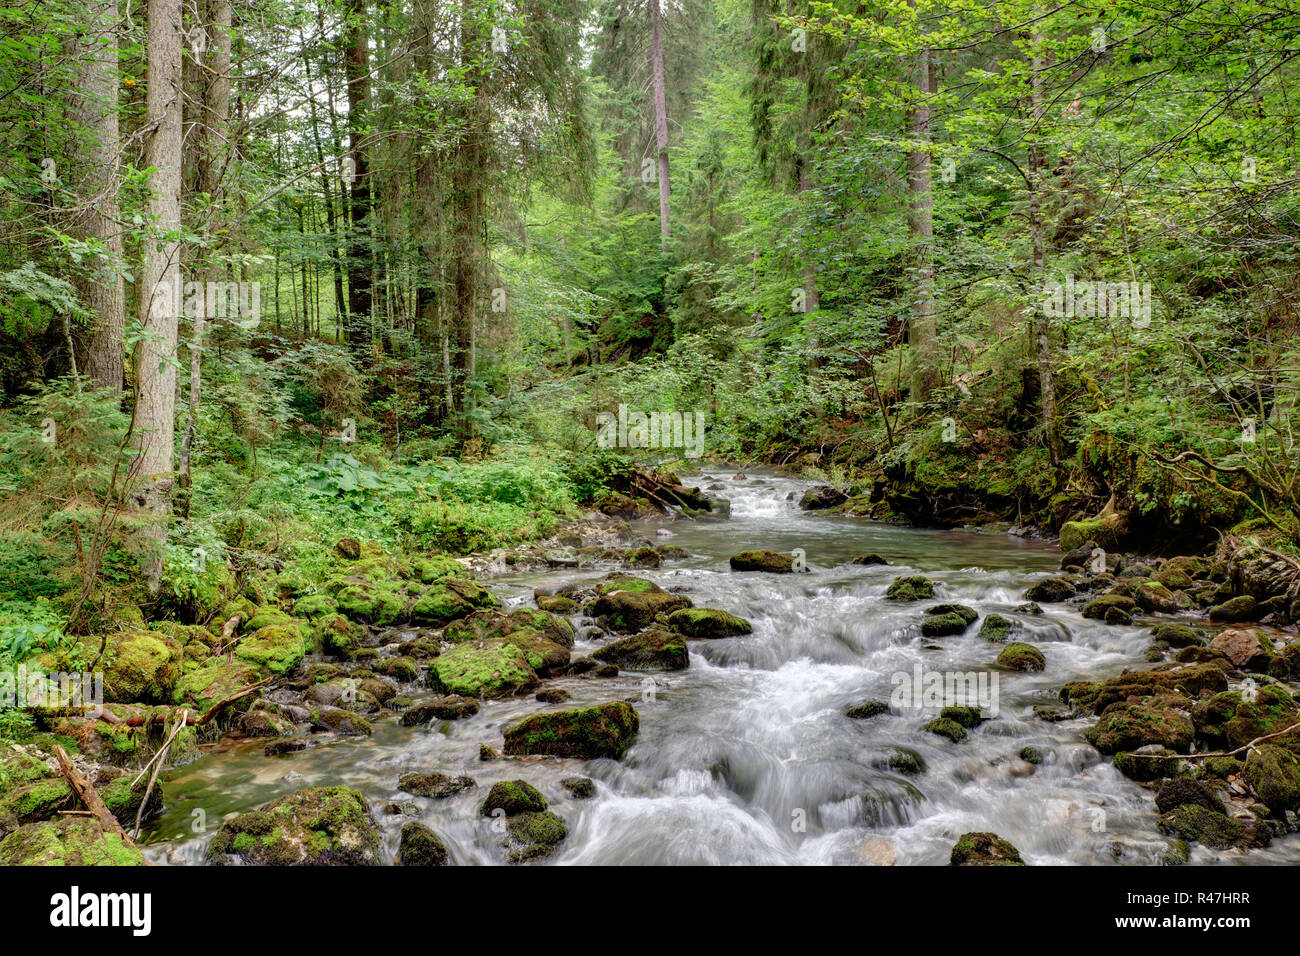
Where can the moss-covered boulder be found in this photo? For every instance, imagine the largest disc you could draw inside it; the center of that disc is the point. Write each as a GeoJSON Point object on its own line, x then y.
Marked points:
{"type": "Point", "coordinates": [996, 628]}
{"type": "Point", "coordinates": [1178, 635]}
{"type": "Point", "coordinates": [968, 717]}
{"type": "Point", "coordinates": [485, 668]}
{"type": "Point", "coordinates": [1235, 610]}
{"type": "Point", "coordinates": [652, 650]}
{"type": "Point", "coordinates": [141, 666]}
{"type": "Point", "coordinates": [33, 802]}
{"type": "Point", "coordinates": [984, 849]}
{"type": "Point", "coordinates": [1231, 719]}
{"type": "Point", "coordinates": [512, 797]}
{"type": "Point", "coordinates": [771, 561]}
{"type": "Point", "coordinates": [1153, 596]}
{"type": "Point", "coordinates": [553, 628]}
{"type": "Point", "coordinates": [1105, 530]}
{"type": "Point", "coordinates": [603, 731]}
{"type": "Point", "coordinates": [946, 620]}
{"type": "Point", "coordinates": [1146, 764]}
{"type": "Point", "coordinates": [340, 721]}
{"type": "Point", "coordinates": [1099, 607]}
{"type": "Point", "coordinates": [1129, 726]}
{"type": "Point", "coordinates": [628, 611]}
{"type": "Point", "coordinates": [381, 601]}
{"type": "Point", "coordinates": [449, 599]}
{"type": "Point", "coordinates": [434, 784]}
{"type": "Point", "coordinates": [910, 587]}
{"type": "Point", "coordinates": [67, 841]}
{"type": "Point", "coordinates": [1286, 664]}
{"type": "Point", "coordinates": [1022, 657]}
{"type": "Point", "coordinates": [1274, 774]}
{"type": "Point", "coordinates": [319, 826]}
{"type": "Point", "coordinates": [447, 707]}
{"type": "Point", "coordinates": [531, 836]}
{"type": "Point", "coordinates": [947, 727]}
{"type": "Point", "coordinates": [277, 648]}
{"type": "Point", "coordinates": [1051, 590]}
{"type": "Point", "coordinates": [204, 685]}
{"type": "Point", "coordinates": [1192, 680]}
{"type": "Point", "coordinates": [18, 768]}
{"type": "Point", "coordinates": [1198, 824]}
{"type": "Point", "coordinates": [708, 623]}
{"type": "Point", "coordinates": [123, 800]}
{"type": "Point", "coordinates": [866, 709]}
{"type": "Point", "coordinates": [1180, 791]}
{"type": "Point", "coordinates": [420, 846]}
{"type": "Point", "coordinates": [557, 604]}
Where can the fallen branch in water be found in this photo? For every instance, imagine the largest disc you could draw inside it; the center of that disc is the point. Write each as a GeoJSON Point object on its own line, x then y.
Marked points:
{"type": "Point", "coordinates": [1229, 753]}
{"type": "Point", "coordinates": [157, 762]}
{"type": "Point", "coordinates": [226, 701]}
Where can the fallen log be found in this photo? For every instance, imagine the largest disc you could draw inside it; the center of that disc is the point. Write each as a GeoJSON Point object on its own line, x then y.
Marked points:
{"type": "Point", "coordinates": [85, 792]}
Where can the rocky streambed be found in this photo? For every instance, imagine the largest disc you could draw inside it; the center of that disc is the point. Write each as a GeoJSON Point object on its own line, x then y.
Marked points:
{"type": "Point", "coordinates": [776, 686]}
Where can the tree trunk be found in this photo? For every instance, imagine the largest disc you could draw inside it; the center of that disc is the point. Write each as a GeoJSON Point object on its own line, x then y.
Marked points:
{"type": "Point", "coordinates": [359, 255]}
{"type": "Point", "coordinates": [159, 305]}
{"type": "Point", "coordinates": [98, 350]}
{"type": "Point", "coordinates": [1042, 327]}
{"type": "Point", "coordinates": [661, 117]}
{"type": "Point", "coordinates": [920, 227]}
{"type": "Point", "coordinates": [213, 156]}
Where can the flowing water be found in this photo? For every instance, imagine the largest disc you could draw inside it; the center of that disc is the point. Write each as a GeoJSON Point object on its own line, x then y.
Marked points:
{"type": "Point", "coordinates": [746, 757]}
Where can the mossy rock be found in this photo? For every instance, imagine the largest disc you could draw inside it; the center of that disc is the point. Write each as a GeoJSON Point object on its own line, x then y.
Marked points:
{"type": "Point", "coordinates": [1129, 726]}
{"type": "Point", "coordinates": [435, 567]}
{"type": "Point", "coordinates": [910, 587]}
{"type": "Point", "coordinates": [1184, 790]}
{"type": "Point", "coordinates": [968, 717]}
{"type": "Point", "coordinates": [18, 768]}
{"type": "Point", "coordinates": [265, 617]}
{"type": "Point", "coordinates": [319, 826]}
{"type": "Point", "coordinates": [33, 802]}
{"type": "Point", "coordinates": [1022, 657]}
{"type": "Point", "coordinates": [124, 800]}
{"type": "Point", "coordinates": [512, 797]}
{"type": "Point", "coordinates": [381, 604]}
{"type": "Point", "coordinates": [1197, 824]}
{"type": "Point", "coordinates": [652, 650]}
{"type": "Point", "coordinates": [623, 582]}
{"type": "Point", "coordinates": [487, 668]}
{"type": "Point", "coordinates": [553, 628]}
{"type": "Point", "coordinates": [1274, 774]}
{"type": "Point", "coordinates": [631, 611]}
{"type": "Point", "coordinates": [1096, 696]}
{"type": "Point", "coordinates": [603, 731]}
{"type": "Point", "coordinates": [867, 709]}
{"type": "Point", "coordinates": [434, 784]}
{"type": "Point", "coordinates": [904, 761]}
{"type": "Point", "coordinates": [984, 849]}
{"type": "Point", "coordinates": [420, 846]}
{"type": "Point", "coordinates": [277, 648]}
{"type": "Point", "coordinates": [643, 557]}
{"type": "Point", "coordinates": [1235, 610]}
{"type": "Point", "coordinates": [205, 684]}
{"type": "Point", "coordinates": [868, 560]}
{"type": "Point", "coordinates": [947, 727]}
{"type": "Point", "coordinates": [708, 623]}
{"type": "Point", "coordinates": [580, 788]}
{"type": "Point", "coordinates": [1153, 596]}
{"type": "Point", "coordinates": [1105, 530]}
{"type": "Point", "coordinates": [1154, 763]}
{"type": "Point", "coordinates": [1178, 635]}
{"type": "Point", "coordinates": [996, 628]}
{"type": "Point", "coordinates": [770, 561]}
{"type": "Point", "coordinates": [315, 606]}
{"type": "Point", "coordinates": [1051, 590]}
{"type": "Point", "coordinates": [1099, 607]}
{"type": "Point", "coordinates": [449, 707]}
{"type": "Point", "coordinates": [946, 620]}
{"type": "Point", "coordinates": [67, 841]}
{"type": "Point", "coordinates": [141, 666]}
{"type": "Point", "coordinates": [402, 669]}
{"type": "Point", "coordinates": [1286, 664]}
{"type": "Point", "coordinates": [557, 604]}
{"type": "Point", "coordinates": [1229, 719]}
{"type": "Point", "coordinates": [531, 836]}
{"type": "Point", "coordinates": [449, 599]}
{"type": "Point", "coordinates": [338, 720]}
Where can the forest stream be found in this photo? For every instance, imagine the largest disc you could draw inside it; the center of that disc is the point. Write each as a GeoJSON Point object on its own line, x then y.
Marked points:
{"type": "Point", "coordinates": [746, 756]}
